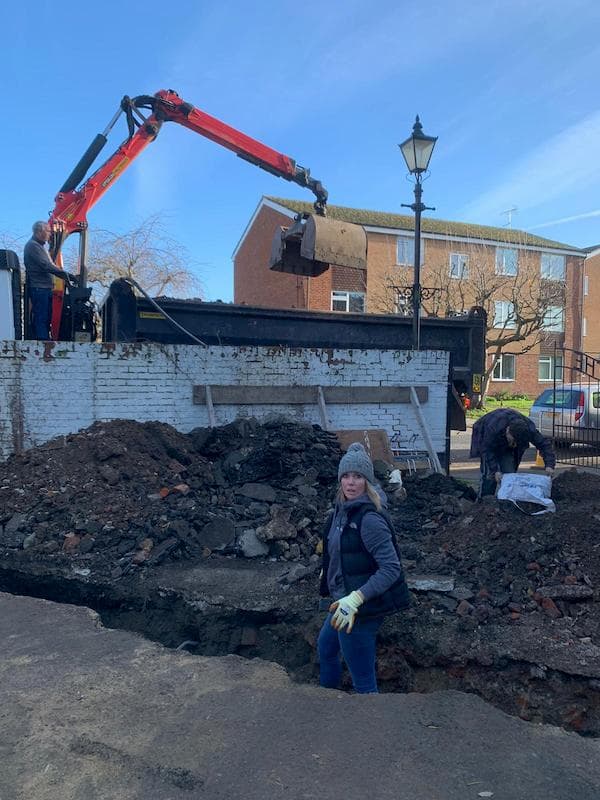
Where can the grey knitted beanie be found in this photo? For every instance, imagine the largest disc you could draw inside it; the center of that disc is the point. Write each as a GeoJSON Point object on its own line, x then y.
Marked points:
{"type": "Point", "coordinates": [357, 460]}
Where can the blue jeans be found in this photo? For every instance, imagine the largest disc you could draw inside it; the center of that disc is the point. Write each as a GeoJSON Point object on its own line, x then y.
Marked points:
{"type": "Point", "coordinates": [41, 304]}
{"type": "Point", "coordinates": [358, 650]}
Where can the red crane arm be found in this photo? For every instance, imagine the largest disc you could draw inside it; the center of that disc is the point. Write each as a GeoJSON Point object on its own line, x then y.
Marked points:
{"type": "Point", "coordinates": [72, 204]}
{"type": "Point", "coordinates": [71, 207]}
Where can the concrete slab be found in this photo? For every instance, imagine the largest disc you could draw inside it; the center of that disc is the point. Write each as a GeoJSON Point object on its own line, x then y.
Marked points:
{"type": "Point", "coordinates": [102, 715]}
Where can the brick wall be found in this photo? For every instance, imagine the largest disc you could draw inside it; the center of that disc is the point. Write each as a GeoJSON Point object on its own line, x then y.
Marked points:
{"type": "Point", "coordinates": [347, 279]}
{"type": "Point", "coordinates": [319, 291]}
{"type": "Point", "coordinates": [254, 283]}
{"type": "Point", "coordinates": [257, 285]}
{"type": "Point", "coordinates": [51, 389]}
{"type": "Point", "coordinates": [526, 375]}
{"type": "Point", "coordinates": [591, 304]}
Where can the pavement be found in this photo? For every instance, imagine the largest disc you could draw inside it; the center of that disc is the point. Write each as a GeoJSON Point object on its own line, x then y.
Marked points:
{"type": "Point", "coordinates": [98, 714]}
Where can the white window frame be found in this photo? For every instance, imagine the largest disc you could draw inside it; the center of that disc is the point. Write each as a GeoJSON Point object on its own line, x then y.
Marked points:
{"type": "Point", "coordinates": [499, 367]}
{"type": "Point", "coordinates": [408, 243]}
{"type": "Point", "coordinates": [549, 361]}
{"type": "Point", "coordinates": [553, 267]}
{"type": "Point", "coordinates": [459, 265]}
{"type": "Point", "coordinates": [501, 269]}
{"type": "Point", "coordinates": [554, 319]}
{"type": "Point", "coordinates": [339, 296]}
{"type": "Point", "coordinates": [503, 310]}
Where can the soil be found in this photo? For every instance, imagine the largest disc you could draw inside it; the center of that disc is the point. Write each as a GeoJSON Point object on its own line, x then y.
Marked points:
{"type": "Point", "coordinates": [210, 540]}
{"type": "Point", "coordinates": [127, 494]}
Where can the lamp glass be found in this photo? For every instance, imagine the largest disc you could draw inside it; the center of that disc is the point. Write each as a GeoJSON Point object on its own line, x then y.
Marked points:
{"type": "Point", "coordinates": [417, 150]}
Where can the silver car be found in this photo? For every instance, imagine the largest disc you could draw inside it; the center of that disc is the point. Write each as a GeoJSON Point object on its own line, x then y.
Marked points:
{"type": "Point", "coordinates": [569, 414]}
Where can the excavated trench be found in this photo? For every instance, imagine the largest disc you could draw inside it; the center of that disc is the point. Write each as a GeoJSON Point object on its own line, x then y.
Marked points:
{"type": "Point", "coordinates": [135, 520]}
{"type": "Point", "coordinates": [519, 688]}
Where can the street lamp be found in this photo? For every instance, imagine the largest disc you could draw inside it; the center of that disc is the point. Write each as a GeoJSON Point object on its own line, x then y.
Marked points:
{"type": "Point", "coordinates": [417, 150]}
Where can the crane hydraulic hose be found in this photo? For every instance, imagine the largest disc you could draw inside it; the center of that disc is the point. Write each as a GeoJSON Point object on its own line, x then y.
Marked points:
{"type": "Point", "coordinates": [152, 302]}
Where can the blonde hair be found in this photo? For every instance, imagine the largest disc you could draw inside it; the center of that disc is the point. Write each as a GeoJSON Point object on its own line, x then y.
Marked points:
{"type": "Point", "coordinates": [371, 492]}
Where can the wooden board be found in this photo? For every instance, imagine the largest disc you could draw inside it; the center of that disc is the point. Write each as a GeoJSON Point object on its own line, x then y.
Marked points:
{"type": "Point", "coordinates": [375, 441]}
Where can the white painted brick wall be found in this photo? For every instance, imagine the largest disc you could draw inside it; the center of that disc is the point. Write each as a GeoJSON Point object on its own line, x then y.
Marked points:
{"type": "Point", "coordinates": [51, 389]}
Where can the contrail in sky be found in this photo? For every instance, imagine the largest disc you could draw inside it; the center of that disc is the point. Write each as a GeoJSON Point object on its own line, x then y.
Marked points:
{"type": "Point", "coordinates": [587, 214]}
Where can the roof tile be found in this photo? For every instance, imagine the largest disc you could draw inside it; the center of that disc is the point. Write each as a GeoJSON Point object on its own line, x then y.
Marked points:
{"type": "Point", "coordinates": [382, 219]}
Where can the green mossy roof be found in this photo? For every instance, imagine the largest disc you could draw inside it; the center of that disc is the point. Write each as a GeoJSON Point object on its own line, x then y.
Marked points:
{"type": "Point", "coordinates": [381, 219]}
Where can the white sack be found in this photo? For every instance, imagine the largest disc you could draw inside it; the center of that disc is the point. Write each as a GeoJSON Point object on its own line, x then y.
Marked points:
{"type": "Point", "coordinates": [527, 488]}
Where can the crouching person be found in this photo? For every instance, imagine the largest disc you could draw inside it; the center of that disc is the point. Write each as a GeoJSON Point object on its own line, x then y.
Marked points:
{"type": "Point", "coordinates": [500, 439]}
{"type": "Point", "coordinates": [362, 572]}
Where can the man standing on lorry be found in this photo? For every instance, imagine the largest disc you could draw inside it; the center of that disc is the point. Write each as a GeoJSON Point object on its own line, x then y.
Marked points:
{"type": "Point", "coordinates": [500, 439]}
{"type": "Point", "coordinates": [40, 268]}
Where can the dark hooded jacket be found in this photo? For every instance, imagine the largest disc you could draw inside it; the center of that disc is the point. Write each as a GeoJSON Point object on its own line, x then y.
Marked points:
{"type": "Point", "coordinates": [489, 442]}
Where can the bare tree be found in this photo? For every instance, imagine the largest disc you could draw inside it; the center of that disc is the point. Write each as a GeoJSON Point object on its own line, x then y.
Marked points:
{"type": "Point", "coordinates": [147, 254]}
{"type": "Point", "coordinates": [10, 241]}
{"type": "Point", "coordinates": [518, 306]}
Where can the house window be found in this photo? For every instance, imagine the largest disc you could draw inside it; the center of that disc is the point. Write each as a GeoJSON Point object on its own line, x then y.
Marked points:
{"type": "Point", "coordinates": [405, 251]}
{"type": "Point", "coordinates": [550, 367]}
{"type": "Point", "coordinates": [507, 261]}
{"type": "Point", "coordinates": [459, 265]}
{"type": "Point", "coordinates": [554, 319]}
{"type": "Point", "coordinates": [553, 267]}
{"type": "Point", "coordinates": [505, 368]}
{"type": "Point", "coordinates": [348, 301]}
{"type": "Point", "coordinates": [504, 314]}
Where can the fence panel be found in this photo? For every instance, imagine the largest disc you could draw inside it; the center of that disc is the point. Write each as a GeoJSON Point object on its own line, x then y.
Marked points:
{"type": "Point", "coordinates": [572, 417]}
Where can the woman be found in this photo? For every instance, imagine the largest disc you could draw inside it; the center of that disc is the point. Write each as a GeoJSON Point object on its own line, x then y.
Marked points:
{"type": "Point", "coordinates": [361, 572]}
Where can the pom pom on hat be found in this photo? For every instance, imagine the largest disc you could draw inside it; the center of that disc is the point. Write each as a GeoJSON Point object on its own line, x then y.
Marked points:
{"type": "Point", "coordinates": [357, 460]}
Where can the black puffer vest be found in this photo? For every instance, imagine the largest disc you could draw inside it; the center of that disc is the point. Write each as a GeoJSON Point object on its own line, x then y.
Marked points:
{"type": "Point", "coordinates": [358, 565]}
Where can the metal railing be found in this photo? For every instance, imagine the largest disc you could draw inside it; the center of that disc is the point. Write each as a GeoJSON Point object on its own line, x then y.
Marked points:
{"type": "Point", "coordinates": [575, 409]}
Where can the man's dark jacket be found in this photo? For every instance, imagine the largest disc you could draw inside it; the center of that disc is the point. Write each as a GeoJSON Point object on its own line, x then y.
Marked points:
{"type": "Point", "coordinates": [489, 440]}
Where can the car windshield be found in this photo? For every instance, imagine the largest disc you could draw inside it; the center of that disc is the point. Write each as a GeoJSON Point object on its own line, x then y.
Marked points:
{"type": "Point", "coordinates": [561, 398]}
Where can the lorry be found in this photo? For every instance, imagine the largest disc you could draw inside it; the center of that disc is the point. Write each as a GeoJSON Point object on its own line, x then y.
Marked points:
{"type": "Point", "coordinates": [306, 248]}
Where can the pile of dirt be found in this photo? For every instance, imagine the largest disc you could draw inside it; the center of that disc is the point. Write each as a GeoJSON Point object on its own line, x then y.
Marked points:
{"type": "Point", "coordinates": [506, 564]}
{"type": "Point", "coordinates": [122, 496]}
{"type": "Point", "coordinates": [132, 494]}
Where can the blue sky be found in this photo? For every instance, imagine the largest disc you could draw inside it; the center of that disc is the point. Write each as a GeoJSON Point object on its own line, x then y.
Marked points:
{"type": "Point", "coordinates": [510, 88]}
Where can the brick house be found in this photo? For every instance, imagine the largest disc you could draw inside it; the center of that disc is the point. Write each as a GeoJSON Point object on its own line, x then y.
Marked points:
{"type": "Point", "coordinates": [590, 322]}
{"type": "Point", "coordinates": [456, 257]}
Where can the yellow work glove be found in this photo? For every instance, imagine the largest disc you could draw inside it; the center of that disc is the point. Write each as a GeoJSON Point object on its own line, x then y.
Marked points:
{"type": "Point", "coordinates": [344, 611]}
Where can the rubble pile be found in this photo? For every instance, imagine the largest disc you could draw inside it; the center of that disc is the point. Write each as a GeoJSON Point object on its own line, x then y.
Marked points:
{"type": "Point", "coordinates": [494, 563]}
{"type": "Point", "coordinates": [133, 494]}
{"type": "Point", "coordinates": [122, 496]}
